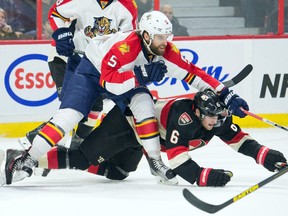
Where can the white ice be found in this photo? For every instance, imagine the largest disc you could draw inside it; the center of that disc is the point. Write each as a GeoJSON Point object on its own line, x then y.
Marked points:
{"type": "Point", "coordinates": [77, 193]}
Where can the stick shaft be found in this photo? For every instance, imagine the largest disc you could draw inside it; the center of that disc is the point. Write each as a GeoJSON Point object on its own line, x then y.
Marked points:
{"type": "Point", "coordinates": [264, 120]}
{"type": "Point", "coordinates": [229, 83]}
{"type": "Point", "coordinates": [210, 208]}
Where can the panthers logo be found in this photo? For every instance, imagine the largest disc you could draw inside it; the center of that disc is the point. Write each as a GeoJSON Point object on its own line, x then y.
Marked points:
{"type": "Point", "coordinates": [101, 27]}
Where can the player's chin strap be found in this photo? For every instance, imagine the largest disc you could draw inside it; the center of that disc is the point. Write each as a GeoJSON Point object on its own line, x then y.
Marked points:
{"type": "Point", "coordinates": [222, 118]}
{"type": "Point", "coordinates": [148, 45]}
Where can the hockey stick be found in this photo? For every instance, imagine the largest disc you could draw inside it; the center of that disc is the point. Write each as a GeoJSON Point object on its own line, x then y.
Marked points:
{"type": "Point", "coordinates": [210, 208]}
{"type": "Point", "coordinates": [240, 76]}
{"type": "Point", "coordinates": [229, 83]}
{"type": "Point", "coordinates": [67, 24]}
{"type": "Point", "coordinates": [263, 119]}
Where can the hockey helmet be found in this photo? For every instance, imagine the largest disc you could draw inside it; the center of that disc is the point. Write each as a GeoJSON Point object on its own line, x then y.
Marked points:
{"type": "Point", "coordinates": [209, 103]}
{"type": "Point", "coordinates": [155, 22]}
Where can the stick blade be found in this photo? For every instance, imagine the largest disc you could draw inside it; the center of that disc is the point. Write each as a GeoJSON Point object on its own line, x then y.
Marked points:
{"type": "Point", "coordinates": [192, 199]}
{"type": "Point", "coordinates": [240, 76]}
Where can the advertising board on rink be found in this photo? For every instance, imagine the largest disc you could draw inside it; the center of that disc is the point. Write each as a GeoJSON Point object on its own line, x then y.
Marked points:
{"type": "Point", "coordinates": [28, 93]}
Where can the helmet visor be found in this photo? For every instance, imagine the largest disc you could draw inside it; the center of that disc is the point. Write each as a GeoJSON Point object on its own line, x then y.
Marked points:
{"type": "Point", "coordinates": [163, 37]}
{"type": "Point", "coordinates": [223, 112]}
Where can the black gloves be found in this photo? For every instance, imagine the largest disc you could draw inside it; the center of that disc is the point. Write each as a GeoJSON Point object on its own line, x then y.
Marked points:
{"type": "Point", "coordinates": [153, 71]}
{"type": "Point", "coordinates": [213, 177]}
{"type": "Point", "coordinates": [269, 157]}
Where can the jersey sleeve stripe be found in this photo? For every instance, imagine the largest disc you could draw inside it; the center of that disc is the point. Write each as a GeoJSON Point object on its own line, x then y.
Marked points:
{"type": "Point", "coordinates": [189, 78]}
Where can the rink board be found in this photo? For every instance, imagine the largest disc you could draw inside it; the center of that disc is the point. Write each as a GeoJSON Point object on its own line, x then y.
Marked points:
{"type": "Point", "coordinates": [28, 94]}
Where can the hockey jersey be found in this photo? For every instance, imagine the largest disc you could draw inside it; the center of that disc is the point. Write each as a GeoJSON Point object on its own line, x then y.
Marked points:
{"type": "Point", "coordinates": [116, 57]}
{"type": "Point", "coordinates": [95, 18]}
{"type": "Point", "coordinates": [181, 131]}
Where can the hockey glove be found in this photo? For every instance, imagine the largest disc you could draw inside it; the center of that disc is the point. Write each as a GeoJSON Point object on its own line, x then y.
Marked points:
{"type": "Point", "coordinates": [64, 41]}
{"type": "Point", "coordinates": [269, 157]}
{"type": "Point", "coordinates": [234, 102]}
{"type": "Point", "coordinates": [153, 71]}
{"type": "Point", "coordinates": [213, 177]}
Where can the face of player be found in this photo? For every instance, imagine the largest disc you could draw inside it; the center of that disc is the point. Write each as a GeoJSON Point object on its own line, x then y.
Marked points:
{"type": "Point", "coordinates": [208, 122]}
{"type": "Point", "coordinates": [159, 43]}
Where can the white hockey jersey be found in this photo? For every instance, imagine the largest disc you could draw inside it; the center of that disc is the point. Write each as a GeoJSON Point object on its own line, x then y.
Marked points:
{"type": "Point", "coordinates": [94, 18]}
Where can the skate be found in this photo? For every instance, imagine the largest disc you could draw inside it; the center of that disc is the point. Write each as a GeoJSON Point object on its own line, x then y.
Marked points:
{"type": "Point", "coordinates": [19, 165]}
{"type": "Point", "coordinates": [41, 172]}
{"type": "Point", "coordinates": [26, 141]}
{"type": "Point", "coordinates": [163, 174]}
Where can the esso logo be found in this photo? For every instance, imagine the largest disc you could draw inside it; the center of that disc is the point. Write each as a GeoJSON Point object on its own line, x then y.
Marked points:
{"type": "Point", "coordinates": [28, 81]}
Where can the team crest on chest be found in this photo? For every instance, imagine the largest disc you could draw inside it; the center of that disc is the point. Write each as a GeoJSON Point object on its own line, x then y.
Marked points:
{"type": "Point", "coordinates": [102, 26]}
{"type": "Point", "coordinates": [184, 119]}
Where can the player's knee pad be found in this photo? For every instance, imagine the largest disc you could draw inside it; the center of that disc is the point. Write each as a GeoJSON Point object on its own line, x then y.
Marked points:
{"type": "Point", "coordinates": [142, 106]}
{"type": "Point", "coordinates": [66, 119]}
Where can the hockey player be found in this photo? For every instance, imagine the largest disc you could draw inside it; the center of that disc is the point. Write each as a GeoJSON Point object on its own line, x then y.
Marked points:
{"type": "Point", "coordinates": [190, 124]}
{"type": "Point", "coordinates": [116, 150]}
{"type": "Point", "coordinates": [74, 25]}
{"type": "Point", "coordinates": [113, 148]}
{"type": "Point", "coordinates": [185, 125]}
{"type": "Point", "coordinates": [122, 65]}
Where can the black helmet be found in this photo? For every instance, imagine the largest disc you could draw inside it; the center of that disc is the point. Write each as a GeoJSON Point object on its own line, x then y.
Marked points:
{"type": "Point", "coordinates": [209, 103]}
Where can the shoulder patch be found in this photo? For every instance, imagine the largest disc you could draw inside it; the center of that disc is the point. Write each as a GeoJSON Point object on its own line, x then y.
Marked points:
{"type": "Point", "coordinates": [184, 119]}
{"type": "Point", "coordinates": [124, 48]}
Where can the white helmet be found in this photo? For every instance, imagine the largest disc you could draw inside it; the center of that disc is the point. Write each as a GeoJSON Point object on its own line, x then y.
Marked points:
{"type": "Point", "coordinates": [155, 22]}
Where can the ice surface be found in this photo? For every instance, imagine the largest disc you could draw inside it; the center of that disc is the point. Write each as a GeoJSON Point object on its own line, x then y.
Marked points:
{"type": "Point", "coordinates": [71, 193]}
